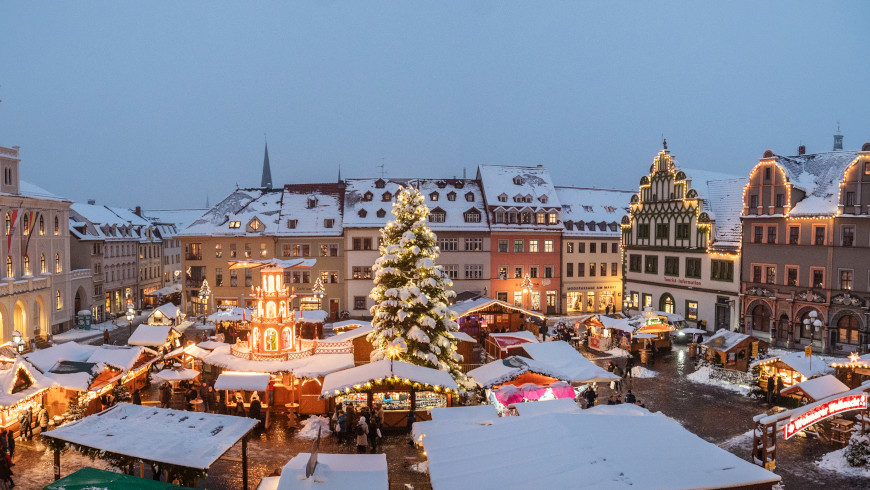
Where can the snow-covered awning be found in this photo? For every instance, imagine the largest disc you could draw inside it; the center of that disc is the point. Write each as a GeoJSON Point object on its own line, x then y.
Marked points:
{"type": "Point", "coordinates": [349, 335]}
{"type": "Point", "coordinates": [504, 370]}
{"type": "Point", "coordinates": [818, 388]}
{"type": "Point", "coordinates": [310, 316]}
{"type": "Point", "coordinates": [547, 407]}
{"type": "Point", "coordinates": [193, 440]}
{"type": "Point", "coordinates": [284, 264]}
{"type": "Point", "coordinates": [356, 378]}
{"type": "Point", "coordinates": [122, 357]}
{"type": "Point", "coordinates": [564, 358]}
{"type": "Point", "coordinates": [151, 335]}
{"type": "Point", "coordinates": [308, 367]}
{"type": "Point", "coordinates": [45, 359]}
{"type": "Point", "coordinates": [230, 380]}
{"type": "Point", "coordinates": [807, 366]}
{"type": "Point", "coordinates": [336, 472]}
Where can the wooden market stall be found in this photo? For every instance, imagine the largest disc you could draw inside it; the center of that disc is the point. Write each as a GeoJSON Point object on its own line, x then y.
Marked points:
{"type": "Point", "coordinates": [792, 368]}
{"type": "Point", "coordinates": [504, 345]}
{"type": "Point", "coordinates": [853, 372]}
{"type": "Point", "coordinates": [362, 348]}
{"type": "Point", "coordinates": [167, 314]}
{"type": "Point", "coordinates": [156, 337]}
{"type": "Point", "coordinates": [732, 349]}
{"type": "Point", "coordinates": [244, 388]}
{"type": "Point", "coordinates": [815, 389]}
{"type": "Point", "coordinates": [480, 316]}
{"type": "Point", "coordinates": [22, 386]}
{"type": "Point", "coordinates": [631, 334]}
{"type": "Point", "coordinates": [399, 386]}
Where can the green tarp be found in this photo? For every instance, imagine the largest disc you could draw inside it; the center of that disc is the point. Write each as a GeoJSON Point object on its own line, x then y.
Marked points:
{"type": "Point", "coordinates": [93, 479]}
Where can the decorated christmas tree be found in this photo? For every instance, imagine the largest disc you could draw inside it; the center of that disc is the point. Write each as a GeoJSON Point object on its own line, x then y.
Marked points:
{"type": "Point", "coordinates": [411, 321]}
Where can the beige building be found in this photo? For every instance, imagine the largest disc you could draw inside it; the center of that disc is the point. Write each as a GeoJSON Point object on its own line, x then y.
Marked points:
{"type": "Point", "coordinates": [36, 295]}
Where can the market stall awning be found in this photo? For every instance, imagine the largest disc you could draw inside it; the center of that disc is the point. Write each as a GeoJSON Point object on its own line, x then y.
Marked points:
{"type": "Point", "coordinates": [547, 407]}
{"type": "Point", "coordinates": [307, 367]}
{"type": "Point", "coordinates": [472, 306]}
{"type": "Point", "coordinates": [818, 388]}
{"type": "Point", "coordinates": [177, 374]}
{"type": "Point", "coordinates": [176, 437]}
{"type": "Point", "coordinates": [357, 377]}
{"type": "Point", "coordinates": [89, 478]}
{"type": "Point", "coordinates": [336, 472]}
{"type": "Point", "coordinates": [230, 380]}
{"type": "Point", "coordinates": [284, 264]}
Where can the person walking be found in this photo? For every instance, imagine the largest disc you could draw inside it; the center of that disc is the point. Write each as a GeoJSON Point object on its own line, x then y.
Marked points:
{"type": "Point", "coordinates": [26, 421]}
{"type": "Point", "coordinates": [341, 426]}
{"type": "Point", "coordinates": [618, 371]}
{"type": "Point", "coordinates": [351, 416]}
{"type": "Point", "coordinates": [375, 429]}
{"type": "Point", "coordinates": [136, 398]}
{"type": "Point", "coordinates": [590, 397]}
{"type": "Point", "coordinates": [42, 419]}
{"type": "Point", "coordinates": [629, 364]}
{"type": "Point", "coordinates": [362, 431]}
{"type": "Point", "coordinates": [779, 387]}
{"type": "Point", "coordinates": [190, 396]}
{"type": "Point", "coordinates": [165, 395]}
{"type": "Point", "coordinates": [771, 383]}
{"type": "Point", "coordinates": [203, 394]}
{"type": "Point", "coordinates": [211, 399]}
{"type": "Point", "coordinates": [105, 337]}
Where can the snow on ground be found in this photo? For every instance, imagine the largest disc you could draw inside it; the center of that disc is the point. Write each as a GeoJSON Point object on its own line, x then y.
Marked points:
{"type": "Point", "coordinates": [776, 352]}
{"type": "Point", "coordinates": [702, 376]}
{"type": "Point", "coordinates": [836, 461]}
{"type": "Point", "coordinates": [310, 426]}
{"type": "Point", "coordinates": [642, 372]}
{"type": "Point", "coordinates": [421, 467]}
{"type": "Point", "coordinates": [79, 334]}
{"type": "Point", "coordinates": [737, 441]}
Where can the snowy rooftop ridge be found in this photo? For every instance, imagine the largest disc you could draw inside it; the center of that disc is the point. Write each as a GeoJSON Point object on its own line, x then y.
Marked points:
{"type": "Point", "coordinates": [819, 176]}
{"type": "Point", "coordinates": [592, 208]}
{"type": "Point", "coordinates": [723, 201]}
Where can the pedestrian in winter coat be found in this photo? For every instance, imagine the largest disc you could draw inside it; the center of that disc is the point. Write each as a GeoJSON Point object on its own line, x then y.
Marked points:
{"type": "Point", "coordinates": [341, 426]}
{"type": "Point", "coordinates": [6, 472]}
{"type": "Point", "coordinates": [362, 432]}
{"type": "Point", "coordinates": [254, 411]}
{"type": "Point", "coordinates": [26, 421]}
{"type": "Point", "coordinates": [630, 398]}
{"type": "Point", "coordinates": [10, 443]}
{"type": "Point", "coordinates": [190, 396]}
{"type": "Point", "coordinates": [771, 383]}
{"type": "Point", "coordinates": [612, 400]}
{"type": "Point", "coordinates": [351, 416]}
{"type": "Point", "coordinates": [590, 397]}
{"type": "Point", "coordinates": [136, 398]}
{"type": "Point", "coordinates": [165, 396]}
{"type": "Point", "coordinates": [4, 445]}
{"type": "Point", "coordinates": [211, 399]}
{"type": "Point", "coordinates": [42, 418]}
{"type": "Point", "coordinates": [779, 386]}
{"type": "Point", "coordinates": [240, 408]}
{"type": "Point", "coordinates": [629, 363]}
{"type": "Point", "coordinates": [105, 336]}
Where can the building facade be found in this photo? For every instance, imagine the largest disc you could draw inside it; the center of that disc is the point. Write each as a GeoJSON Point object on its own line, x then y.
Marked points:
{"type": "Point", "coordinates": [681, 244]}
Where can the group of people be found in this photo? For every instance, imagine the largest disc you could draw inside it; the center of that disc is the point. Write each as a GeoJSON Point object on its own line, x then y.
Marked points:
{"type": "Point", "coordinates": [775, 385]}
{"type": "Point", "coordinates": [192, 391]}
{"type": "Point", "coordinates": [363, 426]}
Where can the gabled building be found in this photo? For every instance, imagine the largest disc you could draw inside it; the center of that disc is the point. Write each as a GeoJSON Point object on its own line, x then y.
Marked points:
{"type": "Point", "coordinates": [806, 249]}
{"type": "Point", "coordinates": [167, 223]}
{"type": "Point", "coordinates": [681, 244]}
{"type": "Point", "coordinates": [525, 219]}
{"type": "Point", "coordinates": [591, 254]}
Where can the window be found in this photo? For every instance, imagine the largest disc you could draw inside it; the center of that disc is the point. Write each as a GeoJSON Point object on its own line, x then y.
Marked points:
{"type": "Point", "coordinates": [548, 271]}
{"type": "Point", "coordinates": [329, 277]}
{"type": "Point", "coordinates": [691, 310]}
{"type": "Point", "coordinates": [791, 276]}
{"type": "Point", "coordinates": [533, 246]}
{"type": "Point", "coordinates": [473, 244]}
{"type": "Point", "coordinates": [581, 247]}
{"type": "Point", "coordinates": [56, 225]}
{"type": "Point", "coordinates": [540, 218]}
{"type": "Point", "coordinates": [569, 269]}
{"type": "Point", "coordinates": [614, 248]}
{"type": "Point", "coordinates": [771, 234]}
{"type": "Point", "coordinates": [234, 280]}
{"type": "Point", "coordinates": [27, 271]}
{"type": "Point", "coordinates": [848, 327]}
{"type": "Point", "coordinates": [473, 271]}
{"type": "Point", "coordinates": [643, 230]}
{"type": "Point", "coordinates": [759, 233]}
{"type": "Point", "coordinates": [433, 196]}
{"type": "Point", "coordinates": [518, 272]}
{"type": "Point", "coordinates": [770, 274]}
{"type": "Point", "coordinates": [57, 266]}
{"type": "Point", "coordinates": [614, 268]}
{"type": "Point", "coordinates": [359, 302]}
{"type": "Point", "coordinates": [662, 231]}
{"type": "Point", "coordinates": [9, 269]}
{"type": "Point", "coordinates": [848, 235]}
{"type": "Point", "coordinates": [592, 269]}
{"type": "Point", "coordinates": [533, 271]}
{"type": "Point", "coordinates": [518, 246]}
{"type": "Point", "coordinates": [548, 246]}
{"type": "Point", "coordinates": [602, 268]}
{"type": "Point", "coordinates": [780, 200]}
{"type": "Point", "coordinates": [581, 269]}
{"type": "Point", "coordinates": [569, 247]}
{"type": "Point", "coordinates": [502, 272]}
{"type": "Point", "coordinates": [593, 247]}
{"type": "Point", "coordinates": [682, 231]}
{"type": "Point", "coordinates": [756, 273]}
{"type": "Point", "coordinates": [452, 270]}
{"type": "Point", "coordinates": [846, 279]}
{"type": "Point", "coordinates": [232, 250]}
{"type": "Point", "coordinates": [518, 298]}
{"type": "Point", "coordinates": [437, 216]}
{"type": "Point", "coordinates": [58, 300]}
{"type": "Point", "coordinates": [362, 243]}
{"type": "Point", "coordinates": [218, 276]}
{"type": "Point", "coordinates": [866, 168]}
{"type": "Point", "coordinates": [42, 267]}
{"type": "Point", "coordinates": [819, 234]}
{"type": "Point", "coordinates": [651, 264]}
{"type": "Point", "coordinates": [263, 251]}
{"type": "Point", "coordinates": [753, 201]}
{"type": "Point", "coordinates": [448, 244]}
{"type": "Point", "coordinates": [794, 233]}
{"type": "Point", "coordinates": [41, 226]}
{"type": "Point", "coordinates": [499, 216]}
{"type": "Point", "coordinates": [328, 250]}
{"type": "Point", "coordinates": [291, 223]}
{"type": "Point", "coordinates": [634, 262]}
{"type": "Point", "coordinates": [672, 266]}
{"type": "Point", "coordinates": [503, 246]}
{"type": "Point", "coordinates": [818, 276]}
{"type": "Point", "coordinates": [328, 223]}
{"type": "Point", "coordinates": [647, 300]}
{"type": "Point", "coordinates": [693, 267]}
{"type": "Point", "coordinates": [248, 250]}
{"type": "Point", "coordinates": [604, 248]}
{"type": "Point", "coordinates": [361, 272]}
{"type": "Point", "coordinates": [850, 198]}
{"type": "Point", "coordinates": [471, 216]}
{"type": "Point", "coordinates": [722, 270]}
{"type": "Point", "coordinates": [551, 218]}
{"type": "Point", "coordinates": [501, 296]}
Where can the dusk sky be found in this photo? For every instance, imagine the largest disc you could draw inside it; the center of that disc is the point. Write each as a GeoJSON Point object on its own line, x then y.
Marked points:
{"type": "Point", "coordinates": [157, 104]}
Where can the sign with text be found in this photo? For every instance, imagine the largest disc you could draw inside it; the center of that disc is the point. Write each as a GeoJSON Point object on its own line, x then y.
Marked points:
{"type": "Point", "coordinates": [823, 411]}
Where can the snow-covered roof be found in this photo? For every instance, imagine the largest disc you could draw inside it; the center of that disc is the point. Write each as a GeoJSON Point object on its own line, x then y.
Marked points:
{"type": "Point", "coordinates": [360, 375]}
{"type": "Point", "coordinates": [181, 218]}
{"type": "Point", "coordinates": [563, 368]}
{"type": "Point", "coordinates": [45, 359]}
{"type": "Point", "coordinates": [724, 203]}
{"type": "Point", "coordinates": [165, 291]}
{"type": "Point", "coordinates": [313, 366]}
{"type": "Point", "coordinates": [242, 381]}
{"type": "Point", "coordinates": [197, 351]}
{"type": "Point", "coordinates": [561, 356]}
{"type": "Point", "coordinates": [531, 186]}
{"type": "Point", "coordinates": [724, 339]}
{"type": "Point", "coordinates": [168, 310]}
{"type": "Point", "coordinates": [150, 335]}
{"type": "Point", "coordinates": [32, 190]}
{"type": "Point", "coordinates": [523, 335]}
{"type": "Point", "coordinates": [462, 308]}
{"type": "Point", "coordinates": [97, 222]}
{"type": "Point", "coordinates": [547, 407]}
{"type": "Point", "coordinates": [592, 212]}
{"type": "Point", "coordinates": [233, 214]}
{"type": "Point", "coordinates": [211, 344]}
{"type": "Point", "coordinates": [349, 335]}
{"type": "Point", "coordinates": [234, 314]}
{"type": "Point", "coordinates": [310, 316]}
{"type": "Point", "coordinates": [9, 372]}
{"type": "Point", "coordinates": [818, 388]}
{"type": "Point", "coordinates": [348, 323]}
{"type": "Point", "coordinates": [471, 413]}
{"type": "Point", "coordinates": [336, 472]}
{"type": "Point", "coordinates": [311, 210]}
{"type": "Point", "coordinates": [819, 176]}
{"type": "Point", "coordinates": [121, 357]}
{"type": "Point", "coordinates": [579, 450]}
{"type": "Point", "coordinates": [194, 440]}
{"type": "Point", "coordinates": [807, 366]}
{"type": "Point", "coordinates": [463, 337]}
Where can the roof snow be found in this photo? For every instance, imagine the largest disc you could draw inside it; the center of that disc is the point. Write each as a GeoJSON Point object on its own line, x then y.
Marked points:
{"type": "Point", "coordinates": [31, 190]}
{"type": "Point", "coordinates": [599, 211]}
{"type": "Point", "coordinates": [242, 381]}
{"type": "Point", "coordinates": [360, 375]}
{"type": "Point", "coordinates": [181, 218]}
{"type": "Point", "coordinates": [511, 181]}
{"type": "Point", "coordinates": [122, 357]}
{"type": "Point", "coordinates": [150, 335]}
{"type": "Point", "coordinates": [723, 201]}
{"type": "Point", "coordinates": [724, 339]}
{"type": "Point", "coordinates": [9, 375]}
{"type": "Point", "coordinates": [311, 209]}
{"type": "Point", "coordinates": [807, 366]}
{"type": "Point", "coordinates": [45, 359]}
{"type": "Point", "coordinates": [818, 388]}
{"type": "Point", "coordinates": [336, 472]}
{"type": "Point", "coordinates": [819, 176]}
{"type": "Point", "coordinates": [307, 367]}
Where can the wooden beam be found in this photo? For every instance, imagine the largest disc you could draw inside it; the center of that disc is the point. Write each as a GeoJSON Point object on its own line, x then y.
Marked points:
{"type": "Point", "coordinates": [245, 462]}
{"type": "Point", "coordinates": [56, 464]}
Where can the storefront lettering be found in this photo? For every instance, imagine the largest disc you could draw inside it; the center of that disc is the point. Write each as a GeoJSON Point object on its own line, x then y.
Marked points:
{"type": "Point", "coordinates": [829, 409]}
{"type": "Point", "coordinates": [687, 282]}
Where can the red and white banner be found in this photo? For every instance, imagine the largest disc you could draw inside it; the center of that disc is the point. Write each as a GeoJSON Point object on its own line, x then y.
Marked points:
{"type": "Point", "coordinates": [823, 411]}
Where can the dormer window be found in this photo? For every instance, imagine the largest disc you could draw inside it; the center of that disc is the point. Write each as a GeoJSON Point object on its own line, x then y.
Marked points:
{"type": "Point", "coordinates": [380, 184]}
{"type": "Point", "coordinates": [581, 226]}
{"type": "Point", "coordinates": [433, 196]}
{"type": "Point", "coordinates": [381, 213]}
{"type": "Point", "coordinates": [437, 215]}
{"type": "Point", "coordinates": [518, 180]}
{"type": "Point", "coordinates": [586, 208]}
{"type": "Point", "coordinates": [451, 196]}
{"type": "Point", "coordinates": [368, 196]}
{"type": "Point", "coordinates": [469, 196]}
{"type": "Point", "coordinates": [291, 223]}
{"type": "Point", "coordinates": [328, 223]}
{"type": "Point", "coordinates": [441, 184]}
{"type": "Point", "coordinates": [527, 198]}
{"type": "Point", "coordinates": [552, 219]}
{"type": "Point", "coordinates": [312, 202]}
{"type": "Point", "coordinates": [256, 225]}
{"type": "Point", "coordinates": [609, 209]}
{"type": "Point", "coordinates": [362, 213]}
{"type": "Point", "coordinates": [569, 225]}
{"type": "Point", "coordinates": [612, 226]}
{"type": "Point", "coordinates": [502, 197]}
{"type": "Point", "coordinates": [235, 224]}
{"type": "Point", "coordinates": [543, 199]}
{"type": "Point", "coordinates": [518, 198]}
{"type": "Point", "coordinates": [472, 216]}
{"type": "Point", "coordinates": [386, 196]}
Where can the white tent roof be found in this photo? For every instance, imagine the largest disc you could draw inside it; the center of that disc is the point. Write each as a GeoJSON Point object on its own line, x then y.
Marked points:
{"type": "Point", "coordinates": [45, 359]}
{"type": "Point", "coordinates": [346, 323]}
{"type": "Point", "coordinates": [150, 335]}
{"type": "Point", "coordinates": [305, 367]}
{"type": "Point", "coordinates": [383, 369]}
{"type": "Point", "coordinates": [818, 388]}
{"type": "Point", "coordinates": [242, 381]}
{"type": "Point", "coordinates": [173, 374]}
{"type": "Point", "coordinates": [234, 314]}
{"type": "Point", "coordinates": [310, 316]}
{"type": "Point", "coordinates": [547, 407]}
{"type": "Point", "coordinates": [576, 450]}
{"type": "Point", "coordinates": [336, 471]}
{"type": "Point", "coordinates": [194, 440]}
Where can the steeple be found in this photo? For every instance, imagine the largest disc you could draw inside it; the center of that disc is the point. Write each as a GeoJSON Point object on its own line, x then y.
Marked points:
{"type": "Point", "coordinates": [266, 181]}
{"type": "Point", "coordinates": [838, 139]}
{"type": "Point", "coordinates": [207, 205]}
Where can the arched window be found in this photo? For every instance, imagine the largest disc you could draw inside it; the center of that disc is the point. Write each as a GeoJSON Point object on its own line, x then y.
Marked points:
{"type": "Point", "coordinates": [271, 287]}
{"type": "Point", "coordinates": [41, 226]}
{"type": "Point", "coordinates": [287, 338]}
{"type": "Point", "coordinates": [26, 220]}
{"type": "Point", "coordinates": [56, 226]}
{"type": "Point", "coordinates": [57, 267]}
{"type": "Point", "coordinates": [259, 308]}
{"type": "Point", "coordinates": [848, 327]}
{"type": "Point", "coordinates": [27, 271]}
{"type": "Point", "coordinates": [271, 341]}
{"type": "Point", "coordinates": [9, 271]}
{"type": "Point", "coordinates": [42, 264]}
{"type": "Point", "coordinates": [8, 224]}
{"type": "Point", "coordinates": [666, 304]}
{"type": "Point", "coordinates": [271, 310]}
{"type": "Point", "coordinates": [59, 300]}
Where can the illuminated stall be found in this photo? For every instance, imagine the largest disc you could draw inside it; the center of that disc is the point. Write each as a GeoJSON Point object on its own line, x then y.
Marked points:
{"type": "Point", "coordinates": [631, 334]}
{"type": "Point", "coordinates": [854, 371]}
{"type": "Point", "coordinates": [487, 315]}
{"type": "Point", "coordinates": [21, 386]}
{"type": "Point", "coordinates": [504, 345]}
{"type": "Point", "coordinates": [733, 349]}
{"type": "Point", "coordinates": [792, 368]}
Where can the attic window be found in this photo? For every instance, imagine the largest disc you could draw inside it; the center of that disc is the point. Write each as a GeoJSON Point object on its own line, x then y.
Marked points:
{"type": "Point", "coordinates": [433, 196]}
{"type": "Point", "coordinates": [609, 209]}
{"type": "Point", "coordinates": [437, 215]}
{"type": "Point", "coordinates": [256, 225]}
{"type": "Point", "coordinates": [451, 196]}
{"type": "Point", "coordinates": [472, 216]}
{"type": "Point", "coordinates": [381, 213]}
{"type": "Point", "coordinates": [587, 208]}
{"type": "Point", "coordinates": [312, 202]}
{"type": "Point", "coordinates": [386, 196]}
{"type": "Point", "coordinates": [502, 197]}
{"type": "Point", "coordinates": [569, 225]}
{"type": "Point", "coordinates": [581, 226]}
{"type": "Point", "coordinates": [469, 196]}
{"type": "Point", "coordinates": [291, 223]}
{"type": "Point", "coordinates": [441, 184]}
{"type": "Point", "coordinates": [518, 198]}
{"type": "Point", "coordinates": [368, 196]}
{"type": "Point", "coordinates": [362, 213]}
{"type": "Point", "coordinates": [612, 226]}
{"type": "Point", "coordinates": [518, 180]}
{"type": "Point", "coordinates": [527, 198]}
{"type": "Point", "coordinates": [543, 199]}
{"type": "Point", "coordinates": [328, 223]}
{"type": "Point", "coordinates": [380, 184]}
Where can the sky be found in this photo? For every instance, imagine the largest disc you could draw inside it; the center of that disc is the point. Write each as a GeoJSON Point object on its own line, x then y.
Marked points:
{"type": "Point", "coordinates": [163, 104]}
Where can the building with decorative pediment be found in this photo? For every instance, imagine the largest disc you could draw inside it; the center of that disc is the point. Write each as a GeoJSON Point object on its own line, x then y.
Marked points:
{"type": "Point", "coordinates": [806, 249]}
{"type": "Point", "coordinates": [681, 244]}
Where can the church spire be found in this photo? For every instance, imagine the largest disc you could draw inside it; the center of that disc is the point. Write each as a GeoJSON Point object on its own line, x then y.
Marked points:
{"type": "Point", "coordinates": [266, 181]}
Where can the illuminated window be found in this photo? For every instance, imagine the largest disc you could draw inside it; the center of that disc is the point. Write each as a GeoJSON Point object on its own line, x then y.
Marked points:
{"type": "Point", "coordinates": [59, 300]}
{"type": "Point", "coordinates": [26, 220]}
{"type": "Point", "coordinates": [218, 252]}
{"type": "Point", "coordinates": [56, 226]}
{"type": "Point", "coordinates": [548, 246]}
{"type": "Point", "coordinates": [9, 271]}
{"type": "Point", "coordinates": [57, 267]}
{"type": "Point", "coordinates": [41, 226]}
{"type": "Point", "coordinates": [8, 224]}
{"type": "Point", "coordinates": [27, 266]}
{"type": "Point", "coordinates": [533, 245]}
{"type": "Point", "coordinates": [42, 267]}
{"type": "Point", "coordinates": [271, 341]}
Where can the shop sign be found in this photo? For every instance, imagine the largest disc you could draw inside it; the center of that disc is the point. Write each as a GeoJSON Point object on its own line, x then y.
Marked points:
{"type": "Point", "coordinates": [594, 343]}
{"type": "Point", "coordinates": [821, 412]}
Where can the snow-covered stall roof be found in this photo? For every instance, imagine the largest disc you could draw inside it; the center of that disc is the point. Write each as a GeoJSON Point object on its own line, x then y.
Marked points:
{"type": "Point", "coordinates": [310, 316]}
{"type": "Point", "coordinates": [467, 307]}
{"type": "Point", "coordinates": [197, 351]}
{"type": "Point", "coordinates": [351, 323]}
{"type": "Point", "coordinates": [211, 344]}
{"type": "Point", "coordinates": [45, 359]}
{"type": "Point", "coordinates": [819, 176]}
{"type": "Point", "coordinates": [337, 382]}
{"type": "Point", "coordinates": [242, 381]}
{"type": "Point", "coordinates": [807, 366]}
{"type": "Point", "coordinates": [818, 388]}
{"type": "Point", "coordinates": [503, 370]}
{"type": "Point", "coordinates": [724, 339]}
{"type": "Point", "coordinates": [336, 471]}
{"type": "Point", "coordinates": [313, 366]}
{"type": "Point", "coordinates": [592, 212]}
{"type": "Point", "coordinates": [150, 335]}
{"type": "Point", "coordinates": [165, 291]}
{"type": "Point", "coordinates": [579, 450]}
{"type": "Point", "coordinates": [349, 335]}
{"type": "Point", "coordinates": [471, 413]}
{"type": "Point", "coordinates": [9, 373]}
{"type": "Point", "coordinates": [190, 439]}
{"type": "Point", "coordinates": [234, 314]}
{"type": "Point", "coordinates": [168, 310]}
{"type": "Point", "coordinates": [547, 407]}
{"type": "Point", "coordinates": [121, 357]}
{"type": "Point", "coordinates": [564, 358]}
{"type": "Point", "coordinates": [463, 337]}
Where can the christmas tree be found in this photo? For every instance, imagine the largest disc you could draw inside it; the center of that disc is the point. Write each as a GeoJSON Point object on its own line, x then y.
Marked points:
{"type": "Point", "coordinates": [411, 321]}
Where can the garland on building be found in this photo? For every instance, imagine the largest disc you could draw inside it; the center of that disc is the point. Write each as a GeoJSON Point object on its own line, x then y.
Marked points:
{"type": "Point", "coordinates": [411, 321]}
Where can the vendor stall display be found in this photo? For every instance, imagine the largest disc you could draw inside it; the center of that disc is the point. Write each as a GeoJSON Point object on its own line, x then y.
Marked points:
{"type": "Point", "coordinates": [791, 368]}
{"type": "Point", "coordinates": [625, 333]}
{"type": "Point", "coordinates": [732, 350]}
{"type": "Point", "coordinates": [244, 388]}
{"type": "Point", "coordinates": [482, 316]}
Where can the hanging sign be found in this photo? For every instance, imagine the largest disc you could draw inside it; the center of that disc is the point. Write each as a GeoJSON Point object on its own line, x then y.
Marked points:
{"type": "Point", "coordinates": [821, 412]}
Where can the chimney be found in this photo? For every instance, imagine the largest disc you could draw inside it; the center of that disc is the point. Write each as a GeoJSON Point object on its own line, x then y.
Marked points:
{"type": "Point", "coordinates": [802, 150]}
{"type": "Point", "coordinates": [138, 211]}
{"type": "Point", "coordinates": [92, 202]}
